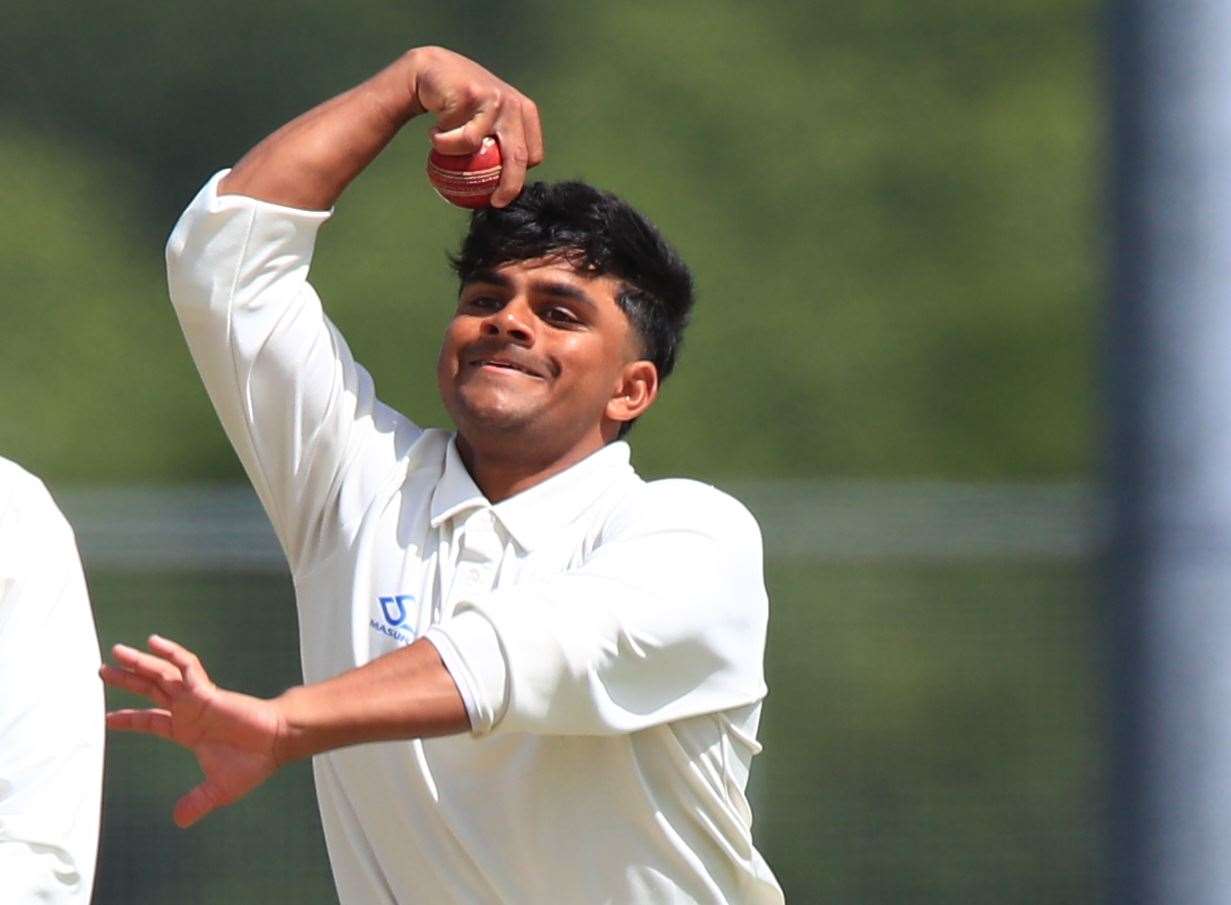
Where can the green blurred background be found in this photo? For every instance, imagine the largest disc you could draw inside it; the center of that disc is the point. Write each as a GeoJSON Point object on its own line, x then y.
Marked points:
{"type": "Point", "coordinates": [892, 212]}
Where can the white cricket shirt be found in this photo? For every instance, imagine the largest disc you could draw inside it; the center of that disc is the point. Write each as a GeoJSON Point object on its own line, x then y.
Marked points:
{"type": "Point", "coordinates": [606, 633]}
{"type": "Point", "coordinates": [51, 703]}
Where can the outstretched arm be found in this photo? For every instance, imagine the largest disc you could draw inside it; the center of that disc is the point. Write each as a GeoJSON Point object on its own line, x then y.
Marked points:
{"type": "Point", "coordinates": [240, 741]}
{"type": "Point", "coordinates": [309, 162]}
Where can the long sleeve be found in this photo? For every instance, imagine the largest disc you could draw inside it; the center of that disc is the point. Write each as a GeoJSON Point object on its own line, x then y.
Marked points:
{"type": "Point", "coordinates": [665, 620]}
{"type": "Point", "coordinates": [301, 414]}
{"type": "Point", "coordinates": [51, 704]}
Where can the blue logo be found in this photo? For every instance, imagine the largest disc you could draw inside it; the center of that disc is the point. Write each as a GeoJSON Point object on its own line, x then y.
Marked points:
{"type": "Point", "coordinates": [394, 607]}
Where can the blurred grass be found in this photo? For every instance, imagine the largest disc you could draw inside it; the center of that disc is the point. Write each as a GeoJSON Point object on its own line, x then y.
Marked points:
{"type": "Point", "coordinates": [930, 737]}
{"type": "Point", "coordinates": [892, 212]}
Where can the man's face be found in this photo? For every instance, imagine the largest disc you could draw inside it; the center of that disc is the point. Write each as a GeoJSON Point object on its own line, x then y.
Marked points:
{"type": "Point", "coordinates": [535, 353]}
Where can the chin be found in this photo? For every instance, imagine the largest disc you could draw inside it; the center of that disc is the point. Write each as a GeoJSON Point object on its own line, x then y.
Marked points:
{"type": "Point", "coordinates": [489, 416]}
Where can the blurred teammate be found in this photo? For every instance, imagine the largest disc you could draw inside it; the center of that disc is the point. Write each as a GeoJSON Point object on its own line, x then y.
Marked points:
{"type": "Point", "coordinates": [530, 676]}
{"type": "Point", "coordinates": [51, 726]}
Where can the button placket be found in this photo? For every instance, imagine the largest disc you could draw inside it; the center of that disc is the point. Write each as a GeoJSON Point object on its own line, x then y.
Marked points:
{"type": "Point", "coordinates": [479, 554]}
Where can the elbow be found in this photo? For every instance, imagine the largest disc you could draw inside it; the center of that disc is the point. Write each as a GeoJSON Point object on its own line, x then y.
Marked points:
{"type": "Point", "coordinates": [180, 283]}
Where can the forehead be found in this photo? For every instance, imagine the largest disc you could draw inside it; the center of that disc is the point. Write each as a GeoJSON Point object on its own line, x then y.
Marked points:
{"type": "Point", "coordinates": [554, 275]}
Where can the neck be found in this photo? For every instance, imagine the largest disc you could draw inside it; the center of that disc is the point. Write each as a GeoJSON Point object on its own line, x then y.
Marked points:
{"type": "Point", "coordinates": [505, 469]}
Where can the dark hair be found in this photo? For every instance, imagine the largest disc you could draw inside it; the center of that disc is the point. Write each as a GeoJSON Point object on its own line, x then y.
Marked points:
{"type": "Point", "coordinates": [600, 234]}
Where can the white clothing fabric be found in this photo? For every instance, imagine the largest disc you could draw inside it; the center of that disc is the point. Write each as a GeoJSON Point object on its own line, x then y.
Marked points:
{"type": "Point", "coordinates": [606, 633]}
{"type": "Point", "coordinates": [51, 703]}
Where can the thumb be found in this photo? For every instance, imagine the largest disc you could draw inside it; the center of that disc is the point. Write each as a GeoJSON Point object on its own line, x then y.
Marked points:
{"type": "Point", "coordinates": [202, 800]}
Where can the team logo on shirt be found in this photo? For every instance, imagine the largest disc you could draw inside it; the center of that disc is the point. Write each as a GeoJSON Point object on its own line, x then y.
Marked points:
{"type": "Point", "coordinates": [393, 608]}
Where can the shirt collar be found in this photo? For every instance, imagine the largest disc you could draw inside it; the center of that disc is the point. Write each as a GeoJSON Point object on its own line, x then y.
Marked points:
{"type": "Point", "coordinates": [456, 492]}
{"type": "Point", "coordinates": [533, 514]}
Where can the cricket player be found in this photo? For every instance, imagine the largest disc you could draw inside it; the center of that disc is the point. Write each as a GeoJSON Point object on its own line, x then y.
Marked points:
{"type": "Point", "coordinates": [529, 675]}
{"type": "Point", "coordinates": [51, 724]}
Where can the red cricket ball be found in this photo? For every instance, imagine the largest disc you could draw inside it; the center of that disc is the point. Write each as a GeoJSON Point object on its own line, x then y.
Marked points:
{"type": "Point", "coordinates": [466, 180]}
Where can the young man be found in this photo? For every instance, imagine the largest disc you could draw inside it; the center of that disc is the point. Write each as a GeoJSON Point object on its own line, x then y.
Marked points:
{"type": "Point", "coordinates": [529, 675]}
{"type": "Point", "coordinates": [51, 725]}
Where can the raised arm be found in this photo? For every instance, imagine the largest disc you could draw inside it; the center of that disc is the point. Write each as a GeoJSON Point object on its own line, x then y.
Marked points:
{"type": "Point", "coordinates": [301, 413]}
{"type": "Point", "coordinates": [309, 162]}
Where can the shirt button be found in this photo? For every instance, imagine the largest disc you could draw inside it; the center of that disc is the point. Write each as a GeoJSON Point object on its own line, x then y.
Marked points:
{"type": "Point", "coordinates": [473, 574]}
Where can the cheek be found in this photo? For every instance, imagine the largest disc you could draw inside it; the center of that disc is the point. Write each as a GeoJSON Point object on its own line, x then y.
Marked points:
{"type": "Point", "coordinates": [456, 336]}
{"type": "Point", "coordinates": [443, 370]}
{"type": "Point", "coordinates": [596, 366]}
{"type": "Point", "coordinates": [446, 362]}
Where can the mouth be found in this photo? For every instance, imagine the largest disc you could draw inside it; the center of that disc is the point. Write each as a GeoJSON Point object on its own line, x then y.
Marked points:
{"type": "Point", "coordinates": [504, 364]}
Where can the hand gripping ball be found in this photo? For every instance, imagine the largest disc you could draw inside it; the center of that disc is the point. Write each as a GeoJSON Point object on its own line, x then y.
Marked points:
{"type": "Point", "coordinates": [466, 180]}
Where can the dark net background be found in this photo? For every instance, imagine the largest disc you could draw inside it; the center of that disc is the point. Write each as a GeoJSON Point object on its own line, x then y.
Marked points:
{"type": "Point", "coordinates": [932, 732]}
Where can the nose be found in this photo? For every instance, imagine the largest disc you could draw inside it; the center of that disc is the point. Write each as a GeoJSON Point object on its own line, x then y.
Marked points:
{"type": "Point", "coordinates": [514, 320]}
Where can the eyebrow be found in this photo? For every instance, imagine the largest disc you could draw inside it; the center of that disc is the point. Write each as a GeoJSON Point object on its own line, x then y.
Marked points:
{"type": "Point", "coordinates": [488, 276]}
{"type": "Point", "coordinates": [559, 290]}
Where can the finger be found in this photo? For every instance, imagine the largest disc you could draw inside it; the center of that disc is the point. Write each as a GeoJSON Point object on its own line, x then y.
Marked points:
{"type": "Point", "coordinates": [513, 159]}
{"type": "Point", "coordinates": [128, 681]}
{"type": "Point", "coordinates": [199, 802]}
{"type": "Point", "coordinates": [467, 137]}
{"type": "Point", "coordinates": [455, 108]}
{"type": "Point", "coordinates": [150, 722]}
{"type": "Point", "coordinates": [156, 669]}
{"type": "Point", "coordinates": [535, 146]}
{"type": "Point", "coordinates": [188, 663]}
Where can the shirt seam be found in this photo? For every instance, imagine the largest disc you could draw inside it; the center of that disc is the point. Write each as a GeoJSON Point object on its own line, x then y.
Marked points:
{"type": "Point", "coordinates": [241, 392]}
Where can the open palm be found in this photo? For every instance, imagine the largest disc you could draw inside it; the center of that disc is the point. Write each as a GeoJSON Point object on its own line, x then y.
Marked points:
{"type": "Point", "coordinates": [234, 736]}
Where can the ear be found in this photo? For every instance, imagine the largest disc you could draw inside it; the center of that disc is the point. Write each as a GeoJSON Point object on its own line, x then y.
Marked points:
{"type": "Point", "coordinates": [635, 392]}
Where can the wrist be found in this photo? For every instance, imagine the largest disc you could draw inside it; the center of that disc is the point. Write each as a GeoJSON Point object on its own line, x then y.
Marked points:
{"type": "Point", "coordinates": [290, 740]}
{"type": "Point", "coordinates": [399, 85]}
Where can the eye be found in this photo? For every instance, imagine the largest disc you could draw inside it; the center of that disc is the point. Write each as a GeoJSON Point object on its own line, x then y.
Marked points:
{"type": "Point", "coordinates": [480, 302]}
{"type": "Point", "coordinates": [560, 316]}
